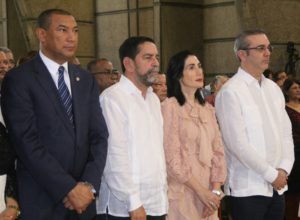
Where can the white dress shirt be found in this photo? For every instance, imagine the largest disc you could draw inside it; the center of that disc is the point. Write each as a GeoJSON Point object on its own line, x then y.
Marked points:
{"type": "Point", "coordinates": [257, 134]}
{"type": "Point", "coordinates": [53, 70]}
{"type": "Point", "coordinates": [135, 172]}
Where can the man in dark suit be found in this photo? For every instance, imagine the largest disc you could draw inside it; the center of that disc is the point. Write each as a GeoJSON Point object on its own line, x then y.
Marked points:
{"type": "Point", "coordinates": [53, 115]}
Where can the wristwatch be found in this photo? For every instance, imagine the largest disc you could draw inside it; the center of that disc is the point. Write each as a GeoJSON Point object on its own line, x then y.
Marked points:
{"type": "Point", "coordinates": [218, 192]}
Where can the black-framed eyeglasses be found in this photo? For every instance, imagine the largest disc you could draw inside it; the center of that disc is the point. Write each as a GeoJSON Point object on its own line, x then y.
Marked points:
{"type": "Point", "coordinates": [108, 72]}
{"type": "Point", "coordinates": [261, 48]}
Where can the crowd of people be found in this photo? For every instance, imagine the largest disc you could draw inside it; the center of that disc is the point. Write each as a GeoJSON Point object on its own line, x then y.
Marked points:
{"type": "Point", "coordinates": [98, 144]}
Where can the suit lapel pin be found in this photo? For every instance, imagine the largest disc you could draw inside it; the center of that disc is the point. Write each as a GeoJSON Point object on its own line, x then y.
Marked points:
{"type": "Point", "coordinates": [77, 79]}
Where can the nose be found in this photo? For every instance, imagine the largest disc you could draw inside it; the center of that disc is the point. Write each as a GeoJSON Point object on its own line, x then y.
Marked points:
{"type": "Point", "coordinates": [72, 35]}
{"type": "Point", "coordinates": [200, 71]}
{"type": "Point", "coordinates": [164, 87]}
{"type": "Point", "coordinates": [267, 52]}
{"type": "Point", "coordinates": [155, 62]}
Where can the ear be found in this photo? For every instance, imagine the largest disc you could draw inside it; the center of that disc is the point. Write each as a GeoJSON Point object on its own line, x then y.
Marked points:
{"type": "Point", "coordinates": [41, 34]}
{"type": "Point", "coordinates": [242, 54]}
{"type": "Point", "coordinates": [128, 64]}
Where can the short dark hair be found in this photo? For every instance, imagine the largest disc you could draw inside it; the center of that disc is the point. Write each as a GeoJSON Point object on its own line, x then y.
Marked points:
{"type": "Point", "coordinates": [44, 19]}
{"type": "Point", "coordinates": [175, 73]}
{"type": "Point", "coordinates": [241, 41]}
{"type": "Point", "coordinates": [276, 75]}
{"type": "Point", "coordinates": [286, 87]}
{"type": "Point", "coordinates": [130, 48]}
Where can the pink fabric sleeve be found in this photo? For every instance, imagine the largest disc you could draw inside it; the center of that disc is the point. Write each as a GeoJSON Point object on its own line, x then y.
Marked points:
{"type": "Point", "coordinates": [178, 166]}
{"type": "Point", "coordinates": [219, 169]}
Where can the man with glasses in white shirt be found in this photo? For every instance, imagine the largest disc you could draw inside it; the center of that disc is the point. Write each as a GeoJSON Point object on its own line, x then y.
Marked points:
{"type": "Point", "coordinates": [256, 132]}
{"type": "Point", "coordinates": [134, 183]}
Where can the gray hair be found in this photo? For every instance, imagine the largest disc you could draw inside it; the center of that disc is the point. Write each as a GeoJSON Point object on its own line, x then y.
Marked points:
{"type": "Point", "coordinates": [5, 50]}
{"type": "Point", "coordinates": [241, 41]}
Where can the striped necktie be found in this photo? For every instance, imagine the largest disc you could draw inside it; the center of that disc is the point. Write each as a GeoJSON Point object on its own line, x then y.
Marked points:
{"type": "Point", "coordinates": [64, 93]}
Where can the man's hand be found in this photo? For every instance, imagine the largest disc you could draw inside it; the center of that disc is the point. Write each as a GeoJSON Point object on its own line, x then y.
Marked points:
{"type": "Point", "coordinates": [281, 180]}
{"type": "Point", "coordinates": [138, 214]}
{"type": "Point", "coordinates": [79, 198]}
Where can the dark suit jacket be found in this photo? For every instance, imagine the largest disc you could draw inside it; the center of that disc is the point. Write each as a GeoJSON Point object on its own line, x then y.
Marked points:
{"type": "Point", "coordinates": [52, 154]}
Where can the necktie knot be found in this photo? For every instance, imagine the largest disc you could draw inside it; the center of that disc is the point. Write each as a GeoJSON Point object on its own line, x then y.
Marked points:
{"type": "Point", "coordinates": [61, 70]}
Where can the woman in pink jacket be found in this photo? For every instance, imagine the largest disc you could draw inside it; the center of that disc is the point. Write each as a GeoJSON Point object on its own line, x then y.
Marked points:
{"type": "Point", "coordinates": [192, 142]}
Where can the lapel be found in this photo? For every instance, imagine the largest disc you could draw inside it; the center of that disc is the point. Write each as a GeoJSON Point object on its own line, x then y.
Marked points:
{"type": "Point", "coordinates": [45, 80]}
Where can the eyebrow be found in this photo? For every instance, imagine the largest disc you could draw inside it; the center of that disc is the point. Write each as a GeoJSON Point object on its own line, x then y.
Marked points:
{"type": "Point", "coordinates": [64, 26]}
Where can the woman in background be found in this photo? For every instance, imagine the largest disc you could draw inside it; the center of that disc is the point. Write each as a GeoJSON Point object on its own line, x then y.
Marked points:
{"type": "Point", "coordinates": [192, 142]}
{"type": "Point", "coordinates": [291, 90]}
{"type": "Point", "coordinates": [9, 208]}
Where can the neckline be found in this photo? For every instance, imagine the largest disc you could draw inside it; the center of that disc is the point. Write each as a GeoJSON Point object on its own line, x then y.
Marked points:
{"type": "Point", "coordinates": [293, 108]}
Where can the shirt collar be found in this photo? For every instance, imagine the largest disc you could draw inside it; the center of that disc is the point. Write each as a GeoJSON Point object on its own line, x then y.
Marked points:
{"type": "Point", "coordinates": [51, 65]}
{"type": "Point", "coordinates": [131, 87]}
{"type": "Point", "coordinates": [248, 78]}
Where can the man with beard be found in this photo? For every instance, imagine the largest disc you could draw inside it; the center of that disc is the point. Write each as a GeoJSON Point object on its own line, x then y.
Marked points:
{"type": "Point", "coordinates": [257, 134]}
{"type": "Point", "coordinates": [134, 183]}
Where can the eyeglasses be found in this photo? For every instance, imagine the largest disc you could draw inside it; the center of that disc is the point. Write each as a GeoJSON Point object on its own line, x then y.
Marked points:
{"type": "Point", "coordinates": [108, 72]}
{"type": "Point", "coordinates": [260, 48]}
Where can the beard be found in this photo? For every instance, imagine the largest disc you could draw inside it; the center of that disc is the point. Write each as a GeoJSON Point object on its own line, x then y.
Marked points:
{"type": "Point", "coordinates": [149, 78]}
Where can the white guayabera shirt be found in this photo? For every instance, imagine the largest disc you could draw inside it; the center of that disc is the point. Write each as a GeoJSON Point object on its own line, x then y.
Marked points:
{"type": "Point", "coordinates": [257, 134]}
{"type": "Point", "coordinates": [135, 171]}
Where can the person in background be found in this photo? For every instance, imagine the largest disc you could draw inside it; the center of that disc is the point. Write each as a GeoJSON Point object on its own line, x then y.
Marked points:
{"type": "Point", "coordinates": [279, 77]}
{"type": "Point", "coordinates": [134, 185]}
{"type": "Point", "coordinates": [74, 60]}
{"type": "Point", "coordinates": [55, 124]}
{"type": "Point", "coordinates": [4, 64]}
{"type": "Point", "coordinates": [104, 73]}
{"type": "Point", "coordinates": [268, 73]}
{"type": "Point", "coordinates": [10, 56]}
{"type": "Point", "coordinates": [216, 84]}
{"type": "Point", "coordinates": [160, 86]}
{"type": "Point", "coordinates": [291, 91]}
{"type": "Point", "coordinates": [257, 133]}
{"type": "Point", "coordinates": [193, 146]}
{"type": "Point", "coordinates": [9, 208]}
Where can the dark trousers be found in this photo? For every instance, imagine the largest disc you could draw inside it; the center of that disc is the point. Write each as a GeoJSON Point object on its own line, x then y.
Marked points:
{"type": "Point", "coordinates": [258, 207]}
{"type": "Point", "coordinates": [110, 217]}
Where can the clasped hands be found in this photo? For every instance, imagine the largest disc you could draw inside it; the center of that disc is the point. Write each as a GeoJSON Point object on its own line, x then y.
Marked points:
{"type": "Point", "coordinates": [79, 198]}
{"type": "Point", "coordinates": [211, 203]}
{"type": "Point", "coordinates": [281, 180]}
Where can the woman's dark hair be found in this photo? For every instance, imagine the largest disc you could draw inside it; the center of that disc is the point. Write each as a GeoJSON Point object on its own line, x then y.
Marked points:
{"type": "Point", "coordinates": [175, 73]}
{"type": "Point", "coordinates": [287, 85]}
{"type": "Point", "coordinates": [268, 73]}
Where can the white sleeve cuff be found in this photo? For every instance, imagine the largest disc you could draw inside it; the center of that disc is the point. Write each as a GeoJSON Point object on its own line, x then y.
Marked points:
{"type": "Point", "coordinates": [270, 175]}
{"type": "Point", "coordinates": [286, 165]}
